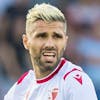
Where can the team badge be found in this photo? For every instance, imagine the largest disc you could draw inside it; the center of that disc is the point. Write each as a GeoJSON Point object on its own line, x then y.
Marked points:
{"type": "Point", "coordinates": [53, 94]}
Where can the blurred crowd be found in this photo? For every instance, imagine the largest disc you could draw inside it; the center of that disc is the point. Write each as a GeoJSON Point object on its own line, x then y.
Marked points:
{"type": "Point", "coordinates": [83, 17]}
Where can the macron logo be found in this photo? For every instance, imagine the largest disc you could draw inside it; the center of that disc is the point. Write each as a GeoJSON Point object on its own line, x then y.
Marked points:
{"type": "Point", "coordinates": [78, 78]}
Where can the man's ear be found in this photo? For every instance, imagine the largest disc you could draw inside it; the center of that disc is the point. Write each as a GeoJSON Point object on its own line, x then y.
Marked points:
{"type": "Point", "coordinates": [25, 41]}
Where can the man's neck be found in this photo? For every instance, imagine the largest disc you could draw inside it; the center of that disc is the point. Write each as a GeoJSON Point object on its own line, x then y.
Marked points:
{"type": "Point", "coordinates": [40, 75]}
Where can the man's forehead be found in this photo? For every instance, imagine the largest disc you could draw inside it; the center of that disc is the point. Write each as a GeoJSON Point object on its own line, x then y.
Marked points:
{"type": "Point", "coordinates": [41, 25]}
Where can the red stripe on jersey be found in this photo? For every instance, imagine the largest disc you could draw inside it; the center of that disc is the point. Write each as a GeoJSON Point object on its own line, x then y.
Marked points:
{"type": "Point", "coordinates": [21, 78]}
{"type": "Point", "coordinates": [74, 69]}
{"type": "Point", "coordinates": [53, 74]}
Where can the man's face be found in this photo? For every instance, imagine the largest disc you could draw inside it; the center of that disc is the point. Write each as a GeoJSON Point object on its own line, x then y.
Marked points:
{"type": "Point", "coordinates": [46, 44]}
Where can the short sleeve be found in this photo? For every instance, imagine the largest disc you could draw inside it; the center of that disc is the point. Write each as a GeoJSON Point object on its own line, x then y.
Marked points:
{"type": "Point", "coordinates": [78, 86]}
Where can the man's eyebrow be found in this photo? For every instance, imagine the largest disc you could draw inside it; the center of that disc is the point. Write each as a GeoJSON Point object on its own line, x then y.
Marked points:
{"type": "Point", "coordinates": [41, 34]}
{"type": "Point", "coordinates": [58, 34]}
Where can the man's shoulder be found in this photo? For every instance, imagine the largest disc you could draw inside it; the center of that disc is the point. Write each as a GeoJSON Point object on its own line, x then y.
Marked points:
{"type": "Point", "coordinates": [26, 77]}
{"type": "Point", "coordinates": [22, 77]}
{"type": "Point", "coordinates": [21, 86]}
{"type": "Point", "coordinates": [71, 69]}
{"type": "Point", "coordinates": [78, 82]}
{"type": "Point", "coordinates": [75, 75]}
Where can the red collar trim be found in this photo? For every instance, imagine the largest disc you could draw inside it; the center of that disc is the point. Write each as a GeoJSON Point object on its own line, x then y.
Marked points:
{"type": "Point", "coordinates": [54, 72]}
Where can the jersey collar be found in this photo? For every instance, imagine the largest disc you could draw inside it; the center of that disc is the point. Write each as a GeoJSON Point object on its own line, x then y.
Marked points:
{"type": "Point", "coordinates": [50, 76]}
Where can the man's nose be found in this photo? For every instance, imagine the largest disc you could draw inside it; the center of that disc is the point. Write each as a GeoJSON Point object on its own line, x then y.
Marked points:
{"type": "Point", "coordinates": [49, 42]}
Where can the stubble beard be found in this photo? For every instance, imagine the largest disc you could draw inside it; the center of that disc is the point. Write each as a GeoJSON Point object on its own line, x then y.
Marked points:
{"type": "Point", "coordinates": [43, 67]}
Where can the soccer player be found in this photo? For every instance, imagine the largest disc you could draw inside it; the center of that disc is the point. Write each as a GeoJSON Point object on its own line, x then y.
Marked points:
{"type": "Point", "coordinates": [53, 77]}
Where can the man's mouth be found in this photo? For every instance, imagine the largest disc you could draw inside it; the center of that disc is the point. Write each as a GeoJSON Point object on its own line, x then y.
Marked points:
{"type": "Point", "coordinates": [49, 57]}
{"type": "Point", "coordinates": [49, 54]}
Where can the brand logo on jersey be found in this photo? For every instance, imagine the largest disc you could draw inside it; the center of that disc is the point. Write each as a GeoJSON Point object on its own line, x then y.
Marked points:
{"type": "Point", "coordinates": [78, 78]}
{"type": "Point", "coordinates": [53, 94]}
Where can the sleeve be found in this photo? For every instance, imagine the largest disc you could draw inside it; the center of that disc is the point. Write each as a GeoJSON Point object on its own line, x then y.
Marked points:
{"type": "Point", "coordinates": [18, 90]}
{"type": "Point", "coordinates": [10, 94]}
{"type": "Point", "coordinates": [78, 86]}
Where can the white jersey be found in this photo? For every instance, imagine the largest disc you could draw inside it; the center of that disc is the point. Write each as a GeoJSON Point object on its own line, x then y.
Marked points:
{"type": "Point", "coordinates": [66, 82]}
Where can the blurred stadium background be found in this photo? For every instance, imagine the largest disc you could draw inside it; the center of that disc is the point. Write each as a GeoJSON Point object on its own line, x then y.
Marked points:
{"type": "Point", "coordinates": [83, 17]}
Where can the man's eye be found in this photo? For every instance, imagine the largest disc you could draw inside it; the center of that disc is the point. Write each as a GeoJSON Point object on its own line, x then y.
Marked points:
{"type": "Point", "coordinates": [57, 36]}
{"type": "Point", "coordinates": [41, 35]}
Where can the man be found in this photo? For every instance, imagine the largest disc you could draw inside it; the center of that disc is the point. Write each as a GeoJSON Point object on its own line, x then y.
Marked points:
{"type": "Point", "coordinates": [53, 77]}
